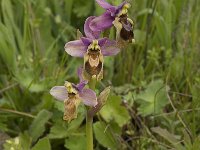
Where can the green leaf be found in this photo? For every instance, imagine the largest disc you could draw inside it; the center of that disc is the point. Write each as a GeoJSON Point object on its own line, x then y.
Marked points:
{"type": "Point", "coordinates": [153, 99]}
{"type": "Point", "coordinates": [103, 136]}
{"type": "Point", "coordinates": [37, 127]}
{"type": "Point", "coordinates": [77, 142]}
{"type": "Point", "coordinates": [165, 134]}
{"type": "Point", "coordinates": [171, 138]}
{"type": "Point", "coordinates": [113, 110]}
{"type": "Point", "coordinates": [59, 130]}
{"type": "Point", "coordinates": [59, 105]}
{"type": "Point", "coordinates": [42, 144]}
{"type": "Point", "coordinates": [27, 77]}
{"type": "Point", "coordinates": [25, 140]}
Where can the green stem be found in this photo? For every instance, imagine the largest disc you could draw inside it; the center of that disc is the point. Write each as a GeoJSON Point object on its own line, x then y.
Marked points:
{"type": "Point", "coordinates": [89, 133]}
{"type": "Point", "coordinates": [89, 120]}
{"type": "Point", "coordinates": [92, 83]}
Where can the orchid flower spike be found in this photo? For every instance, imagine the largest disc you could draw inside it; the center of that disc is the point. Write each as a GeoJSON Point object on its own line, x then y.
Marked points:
{"type": "Point", "coordinates": [117, 16]}
{"type": "Point", "coordinates": [72, 95]}
{"type": "Point", "coordinates": [93, 49]}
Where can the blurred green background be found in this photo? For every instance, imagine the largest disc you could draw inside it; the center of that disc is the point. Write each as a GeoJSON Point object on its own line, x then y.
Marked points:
{"type": "Point", "coordinates": [154, 102]}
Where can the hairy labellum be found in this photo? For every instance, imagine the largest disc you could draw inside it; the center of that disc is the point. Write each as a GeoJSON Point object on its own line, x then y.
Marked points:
{"type": "Point", "coordinates": [70, 107]}
{"type": "Point", "coordinates": [126, 32]}
{"type": "Point", "coordinates": [93, 63]}
{"type": "Point", "coordinates": [70, 104]}
{"type": "Point", "coordinates": [69, 110]}
{"type": "Point", "coordinates": [93, 67]}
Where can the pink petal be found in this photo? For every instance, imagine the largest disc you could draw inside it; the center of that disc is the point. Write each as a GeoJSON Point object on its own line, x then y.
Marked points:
{"type": "Point", "coordinates": [107, 6]}
{"type": "Point", "coordinates": [104, 4]}
{"type": "Point", "coordinates": [88, 32]}
{"type": "Point", "coordinates": [110, 48]}
{"type": "Point", "coordinates": [80, 73]}
{"type": "Point", "coordinates": [102, 41]}
{"type": "Point", "coordinates": [88, 97]}
{"type": "Point", "coordinates": [120, 6]}
{"type": "Point", "coordinates": [102, 22]}
{"type": "Point", "coordinates": [75, 48]}
{"type": "Point", "coordinates": [86, 41]}
{"type": "Point", "coordinates": [59, 92]}
{"type": "Point", "coordinates": [114, 10]}
{"type": "Point", "coordinates": [81, 85]}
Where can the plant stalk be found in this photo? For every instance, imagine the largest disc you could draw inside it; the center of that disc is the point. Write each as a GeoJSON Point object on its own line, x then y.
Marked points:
{"type": "Point", "coordinates": [89, 120]}
{"type": "Point", "coordinates": [89, 133]}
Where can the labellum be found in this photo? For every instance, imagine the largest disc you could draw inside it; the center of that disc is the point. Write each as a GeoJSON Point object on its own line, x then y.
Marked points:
{"type": "Point", "coordinates": [126, 32]}
{"type": "Point", "coordinates": [70, 107]}
{"type": "Point", "coordinates": [71, 104]}
{"type": "Point", "coordinates": [124, 25]}
{"type": "Point", "coordinates": [93, 62]}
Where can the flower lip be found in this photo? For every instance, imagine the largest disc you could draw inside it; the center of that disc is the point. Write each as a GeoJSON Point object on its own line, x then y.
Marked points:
{"type": "Point", "coordinates": [126, 32]}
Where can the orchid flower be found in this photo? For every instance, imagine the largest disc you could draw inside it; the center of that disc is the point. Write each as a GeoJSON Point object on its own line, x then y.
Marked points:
{"type": "Point", "coordinates": [93, 49]}
{"type": "Point", "coordinates": [72, 95]}
{"type": "Point", "coordinates": [117, 16]}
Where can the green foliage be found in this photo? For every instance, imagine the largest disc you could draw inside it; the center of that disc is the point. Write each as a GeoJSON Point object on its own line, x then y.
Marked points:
{"type": "Point", "coordinates": [38, 125]}
{"type": "Point", "coordinates": [103, 135]}
{"type": "Point", "coordinates": [62, 130]}
{"type": "Point", "coordinates": [83, 8]}
{"type": "Point", "coordinates": [164, 60]}
{"type": "Point", "coordinates": [77, 142]}
{"type": "Point", "coordinates": [19, 143]}
{"type": "Point", "coordinates": [153, 99]}
{"type": "Point", "coordinates": [42, 144]}
{"type": "Point", "coordinates": [168, 136]}
{"type": "Point", "coordinates": [114, 111]}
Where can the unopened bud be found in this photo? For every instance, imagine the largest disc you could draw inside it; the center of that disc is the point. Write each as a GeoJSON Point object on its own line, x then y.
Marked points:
{"type": "Point", "coordinates": [102, 98]}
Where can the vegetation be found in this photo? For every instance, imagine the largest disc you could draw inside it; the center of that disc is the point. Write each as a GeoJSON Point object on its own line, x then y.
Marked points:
{"type": "Point", "coordinates": [154, 103]}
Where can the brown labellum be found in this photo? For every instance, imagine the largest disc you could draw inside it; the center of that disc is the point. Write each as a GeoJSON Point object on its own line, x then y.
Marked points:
{"type": "Point", "coordinates": [70, 106]}
{"type": "Point", "coordinates": [126, 32]}
{"type": "Point", "coordinates": [93, 65]}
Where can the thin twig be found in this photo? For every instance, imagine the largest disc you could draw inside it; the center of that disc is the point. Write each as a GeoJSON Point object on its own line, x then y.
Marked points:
{"type": "Point", "coordinates": [181, 111]}
{"type": "Point", "coordinates": [20, 113]}
{"type": "Point", "coordinates": [181, 94]}
{"type": "Point", "coordinates": [179, 117]}
{"type": "Point", "coordinates": [8, 87]}
{"type": "Point", "coordinates": [151, 139]}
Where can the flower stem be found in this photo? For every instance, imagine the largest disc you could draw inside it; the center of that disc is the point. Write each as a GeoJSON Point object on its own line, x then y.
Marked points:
{"type": "Point", "coordinates": [92, 84]}
{"type": "Point", "coordinates": [89, 133]}
{"type": "Point", "coordinates": [89, 120]}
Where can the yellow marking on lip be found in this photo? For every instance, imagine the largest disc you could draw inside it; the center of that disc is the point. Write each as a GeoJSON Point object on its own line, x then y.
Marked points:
{"type": "Point", "coordinates": [126, 6]}
{"type": "Point", "coordinates": [124, 9]}
{"type": "Point", "coordinates": [70, 88]}
{"type": "Point", "coordinates": [94, 45]}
